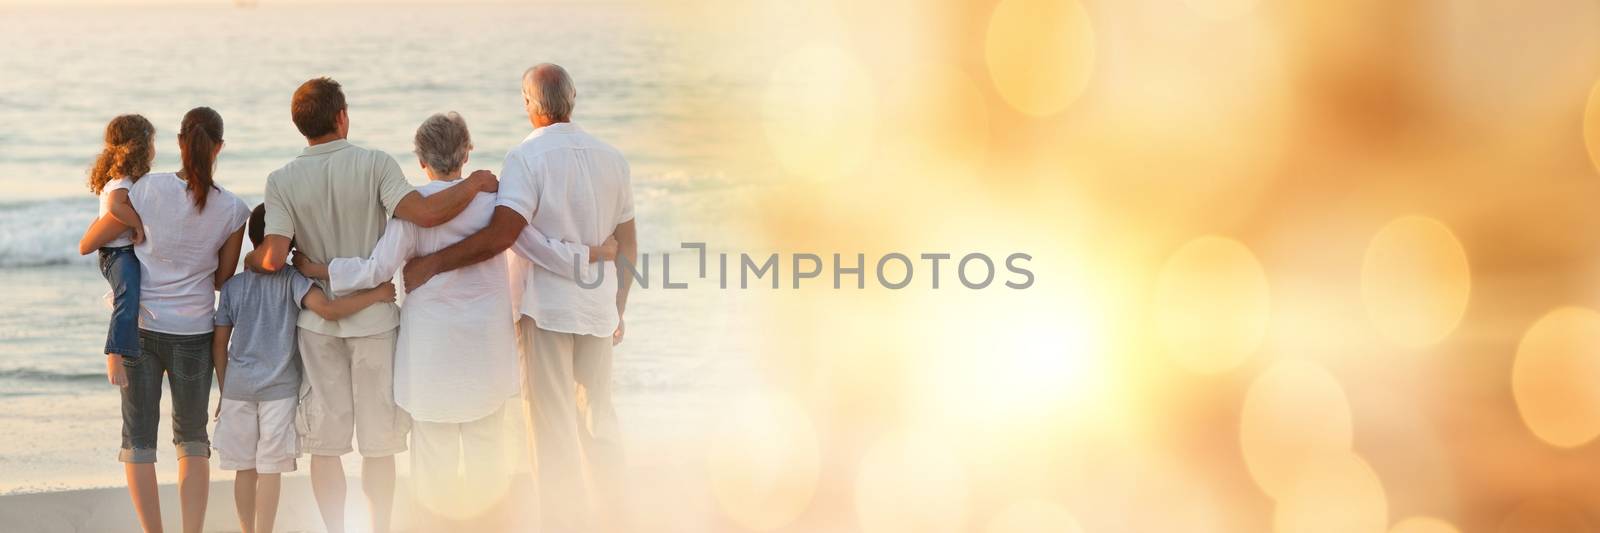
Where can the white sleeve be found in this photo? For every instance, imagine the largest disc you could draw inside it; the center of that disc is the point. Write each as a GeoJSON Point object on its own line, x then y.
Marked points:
{"type": "Point", "coordinates": [551, 254]}
{"type": "Point", "coordinates": [519, 187]}
{"type": "Point", "coordinates": [350, 274]}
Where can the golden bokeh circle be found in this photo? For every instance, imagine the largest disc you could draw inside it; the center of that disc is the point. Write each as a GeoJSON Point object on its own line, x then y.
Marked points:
{"type": "Point", "coordinates": [1423, 524]}
{"type": "Point", "coordinates": [1555, 378]}
{"type": "Point", "coordinates": [1295, 415]}
{"type": "Point", "coordinates": [820, 113]}
{"type": "Point", "coordinates": [910, 484]}
{"type": "Point", "coordinates": [1211, 304]}
{"type": "Point", "coordinates": [763, 464]}
{"type": "Point", "coordinates": [1034, 516]}
{"type": "Point", "coordinates": [1591, 126]}
{"type": "Point", "coordinates": [1415, 281]}
{"type": "Point", "coordinates": [1041, 53]}
{"type": "Point", "coordinates": [1340, 494]}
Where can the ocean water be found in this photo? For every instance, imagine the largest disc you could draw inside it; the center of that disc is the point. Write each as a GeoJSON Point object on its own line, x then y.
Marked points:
{"type": "Point", "coordinates": [643, 86]}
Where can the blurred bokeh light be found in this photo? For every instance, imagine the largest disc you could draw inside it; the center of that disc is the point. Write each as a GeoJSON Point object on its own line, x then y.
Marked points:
{"type": "Point", "coordinates": [1415, 281]}
{"type": "Point", "coordinates": [1298, 267]}
{"type": "Point", "coordinates": [1556, 377]}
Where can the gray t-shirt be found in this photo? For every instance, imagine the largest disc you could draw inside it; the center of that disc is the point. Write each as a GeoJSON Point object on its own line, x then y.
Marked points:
{"type": "Point", "coordinates": [334, 201]}
{"type": "Point", "coordinates": [263, 362]}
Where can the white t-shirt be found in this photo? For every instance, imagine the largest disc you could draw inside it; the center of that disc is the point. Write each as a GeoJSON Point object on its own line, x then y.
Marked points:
{"type": "Point", "coordinates": [572, 188]}
{"type": "Point", "coordinates": [456, 356]}
{"type": "Point", "coordinates": [126, 238]}
{"type": "Point", "coordinates": [178, 258]}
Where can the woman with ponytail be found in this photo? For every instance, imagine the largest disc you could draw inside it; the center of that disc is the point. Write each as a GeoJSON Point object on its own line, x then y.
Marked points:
{"type": "Point", "coordinates": [193, 232]}
{"type": "Point", "coordinates": [201, 140]}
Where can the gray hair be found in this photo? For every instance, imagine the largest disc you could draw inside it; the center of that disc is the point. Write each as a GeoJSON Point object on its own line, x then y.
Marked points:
{"type": "Point", "coordinates": [443, 142]}
{"type": "Point", "coordinates": [550, 89]}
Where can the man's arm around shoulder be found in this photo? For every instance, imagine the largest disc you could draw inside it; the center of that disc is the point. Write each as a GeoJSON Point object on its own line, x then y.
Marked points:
{"type": "Point", "coordinates": [440, 207]}
{"type": "Point", "coordinates": [270, 256]}
{"type": "Point", "coordinates": [488, 242]}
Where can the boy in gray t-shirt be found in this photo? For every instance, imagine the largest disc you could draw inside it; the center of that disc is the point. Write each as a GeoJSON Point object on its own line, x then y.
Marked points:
{"type": "Point", "coordinates": [258, 368]}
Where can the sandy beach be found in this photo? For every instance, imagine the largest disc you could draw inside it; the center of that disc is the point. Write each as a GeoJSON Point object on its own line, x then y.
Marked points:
{"type": "Point", "coordinates": [107, 510]}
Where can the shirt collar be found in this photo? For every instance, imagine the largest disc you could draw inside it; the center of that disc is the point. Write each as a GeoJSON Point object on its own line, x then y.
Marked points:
{"type": "Point", "coordinates": [327, 147]}
{"type": "Point", "coordinates": [554, 129]}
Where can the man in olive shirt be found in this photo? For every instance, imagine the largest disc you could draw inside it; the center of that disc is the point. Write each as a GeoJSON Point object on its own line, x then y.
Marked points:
{"type": "Point", "coordinates": [334, 200]}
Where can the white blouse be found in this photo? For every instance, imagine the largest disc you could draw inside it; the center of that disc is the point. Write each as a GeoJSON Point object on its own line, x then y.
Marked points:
{"type": "Point", "coordinates": [455, 359]}
{"type": "Point", "coordinates": [178, 258]}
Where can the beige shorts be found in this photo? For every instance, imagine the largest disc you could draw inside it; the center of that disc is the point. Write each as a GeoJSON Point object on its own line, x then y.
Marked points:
{"type": "Point", "coordinates": [348, 391]}
{"type": "Point", "coordinates": [257, 436]}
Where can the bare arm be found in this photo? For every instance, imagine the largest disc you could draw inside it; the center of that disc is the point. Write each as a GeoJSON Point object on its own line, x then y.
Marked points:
{"type": "Point", "coordinates": [228, 257]}
{"type": "Point", "coordinates": [270, 256]}
{"type": "Point", "coordinates": [334, 309]}
{"type": "Point", "coordinates": [219, 353]}
{"type": "Point", "coordinates": [102, 231]}
{"type": "Point", "coordinates": [309, 268]}
{"type": "Point", "coordinates": [481, 246]}
{"type": "Point", "coordinates": [440, 207]}
{"type": "Point", "coordinates": [122, 209]}
{"type": "Point", "coordinates": [627, 249]}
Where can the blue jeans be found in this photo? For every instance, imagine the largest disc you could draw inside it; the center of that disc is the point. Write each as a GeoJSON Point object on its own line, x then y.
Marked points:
{"type": "Point", "coordinates": [121, 269]}
{"type": "Point", "coordinates": [185, 360]}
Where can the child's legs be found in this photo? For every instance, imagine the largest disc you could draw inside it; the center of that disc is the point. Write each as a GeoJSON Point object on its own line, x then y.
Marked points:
{"type": "Point", "coordinates": [244, 499]}
{"type": "Point", "coordinates": [267, 488]}
{"type": "Point", "coordinates": [121, 269]}
{"type": "Point", "coordinates": [255, 495]}
{"type": "Point", "coordinates": [235, 444]}
{"type": "Point", "coordinates": [276, 448]}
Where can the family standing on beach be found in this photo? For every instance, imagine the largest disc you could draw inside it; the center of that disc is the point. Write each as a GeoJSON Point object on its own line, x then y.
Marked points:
{"type": "Point", "coordinates": [437, 370]}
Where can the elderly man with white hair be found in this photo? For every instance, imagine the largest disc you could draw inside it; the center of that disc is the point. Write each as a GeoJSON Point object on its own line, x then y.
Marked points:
{"type": "Point", "coordinates": [568, 185]}
{"type": "Point", "coordinates": [455, 364]}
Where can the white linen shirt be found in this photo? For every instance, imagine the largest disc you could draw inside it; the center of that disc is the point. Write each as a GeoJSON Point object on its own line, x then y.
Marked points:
{"type": "Point", "coordinates": [574, 188]}
{"type": "Point", "coordinates": [178, 257]}
{"type": "Point", "coordinates": [456, 355]}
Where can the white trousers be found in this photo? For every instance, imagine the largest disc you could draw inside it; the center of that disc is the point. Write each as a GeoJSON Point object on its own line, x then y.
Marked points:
{"type": "Point", "coordinates": [459, 470]}
{"type": "Point", "coordinates": [566, 390]}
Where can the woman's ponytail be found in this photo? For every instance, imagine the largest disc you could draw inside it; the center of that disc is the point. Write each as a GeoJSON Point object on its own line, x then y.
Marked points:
{"type": "Point", "coordinates": [198, 139]}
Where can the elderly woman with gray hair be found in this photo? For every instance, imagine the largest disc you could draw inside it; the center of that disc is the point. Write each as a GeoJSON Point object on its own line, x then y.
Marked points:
{"type": "Point", "coordinates": [455, 361]}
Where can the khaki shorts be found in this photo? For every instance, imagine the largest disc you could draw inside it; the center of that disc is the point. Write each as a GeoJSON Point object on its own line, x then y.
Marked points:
{"type": "Point", "coordinates": [257, 436]}
{"type": "Point", "coordinates": [348, 391]}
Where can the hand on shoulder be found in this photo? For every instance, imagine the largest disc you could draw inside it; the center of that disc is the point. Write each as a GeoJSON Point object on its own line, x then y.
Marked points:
{"type": "Point", "coordinates": [484, 181]}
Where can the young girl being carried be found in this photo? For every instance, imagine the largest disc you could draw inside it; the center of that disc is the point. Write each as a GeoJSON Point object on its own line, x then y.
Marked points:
{"type": "Point", "coordinates": [129, 149]}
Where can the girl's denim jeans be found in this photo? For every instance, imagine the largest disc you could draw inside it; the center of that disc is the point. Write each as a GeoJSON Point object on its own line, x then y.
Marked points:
{"type": "Point", "coordinates": [121, 269]}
